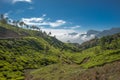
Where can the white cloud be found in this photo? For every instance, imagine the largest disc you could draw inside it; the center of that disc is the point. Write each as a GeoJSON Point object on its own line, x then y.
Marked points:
{"type": "Point", "coordinates": [57, 23]}
{"type": "Point", "coordinates": [41, 21]}
{"type": "Point", "coordinates": [75, 27]}
{"type": "Point", "coordinates": [58, 32]}
{"type": "Point", "coordinates": [86, 38]}
{"type": "Point", "coordinates": [72, 27]}
{"type": "Point", "coordinates": [44, 15]}
{"type": "Point", "coordinates": [63, 35]}
{"type": "Point", "coordinates": [14, 1]}
{"type": "Point", "coordinates": [6, 15]}
{"type": "Point", "coordinates": [75, 39]}
{"type": "Point", "coordinates": [33, 20]}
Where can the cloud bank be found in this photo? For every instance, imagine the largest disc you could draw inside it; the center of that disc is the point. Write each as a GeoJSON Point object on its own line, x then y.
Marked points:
{"type": "Point", "coordinates": [59, 29]}
{"type": "Point", "coordinates": [41, 21]}
{"type": "Point", "coordinates": [15, 1]}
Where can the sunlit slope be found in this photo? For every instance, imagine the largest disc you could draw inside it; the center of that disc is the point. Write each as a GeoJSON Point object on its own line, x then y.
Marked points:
{"type": "Point", "coordinates": [98, 61]}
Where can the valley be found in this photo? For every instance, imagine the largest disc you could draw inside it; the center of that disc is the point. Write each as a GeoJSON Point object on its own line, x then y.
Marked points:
{"type": "Point", "coordinates": [34, 55]}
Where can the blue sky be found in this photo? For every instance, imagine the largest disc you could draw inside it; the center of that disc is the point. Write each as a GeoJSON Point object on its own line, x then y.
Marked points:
{"type": "Point", "coordinates": [76, 15]}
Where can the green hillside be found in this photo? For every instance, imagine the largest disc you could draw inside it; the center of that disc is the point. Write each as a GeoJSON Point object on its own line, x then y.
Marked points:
{"type": "Point", "coordinates": [22, 49]}
{"type": "Point", "coordinates": [34, 55]}
{"type": "Point", "coordinates": [89, 64]}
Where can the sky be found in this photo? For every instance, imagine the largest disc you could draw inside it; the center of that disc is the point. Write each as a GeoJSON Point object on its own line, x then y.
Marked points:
{"type": "Point", "coordinates": [64, 16]}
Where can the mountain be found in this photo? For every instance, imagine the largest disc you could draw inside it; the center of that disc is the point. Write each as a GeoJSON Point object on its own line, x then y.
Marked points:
{"type": "Point", "coordinates": [91, 34]}
{"type": "Point", "coordinates": [27, 54]}
{"type": "Point", "coordinates": [72, 34]}
{"type": "Point", "coordinates": [108, 32]}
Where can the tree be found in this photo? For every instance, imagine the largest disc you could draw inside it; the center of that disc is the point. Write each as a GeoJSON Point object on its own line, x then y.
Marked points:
{"type": "Point", "coordinates": [49, 33]}
{"type": "Point", "coordinates": [68, 41]}
{"type": "Point", "coordinates": [15, 23]}
{"type": "Point", "coordinates": [54, 36]}
{"type": "Point", "coordinates": [35, 27]}
{"type": "Point", "coordinates": [27, 26]}
{"type": "Point", "coordinates": [22, 24]}
{"type": "Point", "coordinates": [102, 43]}
{"type": "Point", "coordinates": [3, 18]}
{"type": "Point", "coordinates": [47, 49]}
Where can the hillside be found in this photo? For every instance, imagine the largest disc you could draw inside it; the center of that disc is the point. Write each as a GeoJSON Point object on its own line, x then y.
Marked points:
{"type": "Point", "coordinates": [22, 49]}
{"type": "Point", "coordinates": [101, 60]}
{"type": "Point", "coordinates": [34, 55]}
{"type": "Point", "coordinates": [108, 71]}
{"type": "Point", "coordinates": [8, 31]}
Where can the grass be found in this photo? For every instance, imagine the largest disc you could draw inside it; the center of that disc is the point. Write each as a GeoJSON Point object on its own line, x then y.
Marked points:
{"type": "Point", "coordinates": [49, 59]}
{"type": "Point", "coordinates": [102, 58]}
{"type": "Point", "coordinates": [81, 62]}
{"type": "Point", "coordinates": [55, 72]}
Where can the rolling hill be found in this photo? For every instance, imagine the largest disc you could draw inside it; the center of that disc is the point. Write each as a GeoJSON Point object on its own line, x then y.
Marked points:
{"type": "Point", "coordinates": [34, 55]}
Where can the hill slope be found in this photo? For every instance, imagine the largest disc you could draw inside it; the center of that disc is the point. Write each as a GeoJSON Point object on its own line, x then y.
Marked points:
{"type": "Point", "coordinates": [97, 63]}
{"type": "Point", "coordinates": [22, 49]}
{"type": "Point", "coordinates": [34, 55]}
{"type": "Point", "coordinates": [110, 71]}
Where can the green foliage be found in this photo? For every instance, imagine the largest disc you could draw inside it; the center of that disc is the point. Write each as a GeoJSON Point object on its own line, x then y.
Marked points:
{"type": "Point", "coordinates": [55, 72]}
{"type": "Point", "coordinates": [102, 58]}
{"type": "Point", "coordinates": [25, 53]}
{"type": "Point", "coordinates": [3, 19]}
{"type": "Point", "coordinates": [110, 42]}
{"type": "Point", "coordinates": [29, 49]}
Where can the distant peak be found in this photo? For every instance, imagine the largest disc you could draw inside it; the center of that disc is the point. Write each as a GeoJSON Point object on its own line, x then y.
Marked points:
{"type": "Point", "coordinates": [89, 32]}
{"type": "Point", "coordinates": [72, 34]}
{"type": "Point", "coordinates": [115, 28]}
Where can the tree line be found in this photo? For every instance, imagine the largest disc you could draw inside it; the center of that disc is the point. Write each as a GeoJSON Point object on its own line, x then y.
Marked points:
{"type": "Point", "coordinates": [6, 20]}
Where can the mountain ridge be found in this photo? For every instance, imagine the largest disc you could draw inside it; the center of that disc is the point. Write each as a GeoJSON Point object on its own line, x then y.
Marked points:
{"type": "Point", "coordinates": [91, 34]}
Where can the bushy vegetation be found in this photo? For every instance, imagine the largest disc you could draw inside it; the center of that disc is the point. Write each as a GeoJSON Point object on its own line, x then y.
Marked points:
{"type": "Point", "coordinates": [16, 55]}
{"type": "Point", "coordinates": [83, 65]}
{"type": "Point", "coordinates": [23, 50]}
{"type": "Point", "coordinates": [110, 71]}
